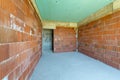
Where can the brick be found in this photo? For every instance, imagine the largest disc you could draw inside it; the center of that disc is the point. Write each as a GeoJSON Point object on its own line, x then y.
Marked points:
{"type": "Point", "coordinates": [3, 38]}
{"type": "Point", "coordinates": [27, 29]}
{"type": "Point", "coordinates": [19, 36]}
{"type": "Point", "coordinates": [13, 49]}
{"type": "Point", "coordinates": [4, 18]}
{"type": "Point", "coordinates": [10, 7]}
{"type": "Point", "coordinates": [12, 36]}
{"type": "Point", "coordinates": [11, 76]}
{"type": "Point", "coordinates": [4, 52]}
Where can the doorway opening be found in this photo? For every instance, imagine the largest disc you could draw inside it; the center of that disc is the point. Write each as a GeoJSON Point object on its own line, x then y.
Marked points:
{"type": "Point", "coordinates": [47, 40]}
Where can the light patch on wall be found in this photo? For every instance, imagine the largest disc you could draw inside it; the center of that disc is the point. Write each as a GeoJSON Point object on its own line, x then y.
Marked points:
{"type": "Point", "coordinates": [53, 24]}
{"type": "Point", "coordinates": [14, 26]}
{"type": "Point", "coordinates": [49, 27]}
{"type": "Point", "coordinates": [116, 4]}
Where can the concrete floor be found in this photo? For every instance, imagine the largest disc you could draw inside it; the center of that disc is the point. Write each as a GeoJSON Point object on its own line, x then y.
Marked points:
{"type": "Point", "coordinates": [72, 66]}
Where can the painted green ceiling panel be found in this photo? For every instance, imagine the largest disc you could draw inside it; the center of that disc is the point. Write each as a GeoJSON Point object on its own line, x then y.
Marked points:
{"type": "Point", "coordinates": [69, 10]}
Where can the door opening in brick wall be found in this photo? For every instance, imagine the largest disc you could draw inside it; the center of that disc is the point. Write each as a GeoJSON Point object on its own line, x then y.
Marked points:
{"type": "Point", "coordinates": [47, 40]}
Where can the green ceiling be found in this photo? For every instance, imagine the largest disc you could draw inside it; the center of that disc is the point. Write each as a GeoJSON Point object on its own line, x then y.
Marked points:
{"type": "Point", "coordinates": [69, 10]}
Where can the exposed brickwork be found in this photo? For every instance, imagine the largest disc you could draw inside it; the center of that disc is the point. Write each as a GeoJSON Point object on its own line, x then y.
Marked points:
{"type": "Point", "coordinates": [101, 39]}
{"type": "Point", "coordinates": [20, 39]}
{"type": "Point", "coordinates": [64, 39]}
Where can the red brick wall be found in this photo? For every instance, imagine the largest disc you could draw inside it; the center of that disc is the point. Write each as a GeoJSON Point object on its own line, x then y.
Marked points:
{"type": "Point", "coordinates": [20, 39]}
{"type": "Point", "coordinates": [100, 39]}
{"type": "Point", "coordinates": [64, 39]}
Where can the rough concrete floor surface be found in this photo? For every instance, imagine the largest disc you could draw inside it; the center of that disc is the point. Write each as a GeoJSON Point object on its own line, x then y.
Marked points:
{"type": "Point", "coordinates": [72, 66]}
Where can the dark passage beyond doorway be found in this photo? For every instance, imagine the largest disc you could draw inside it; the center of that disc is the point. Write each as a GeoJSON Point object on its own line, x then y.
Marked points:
{"type": "Point", "coordinates": [47, 40]}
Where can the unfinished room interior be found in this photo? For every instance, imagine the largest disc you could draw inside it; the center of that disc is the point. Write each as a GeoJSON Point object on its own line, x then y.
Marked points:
{"type": "Point", "coordinates": [59, 39]}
